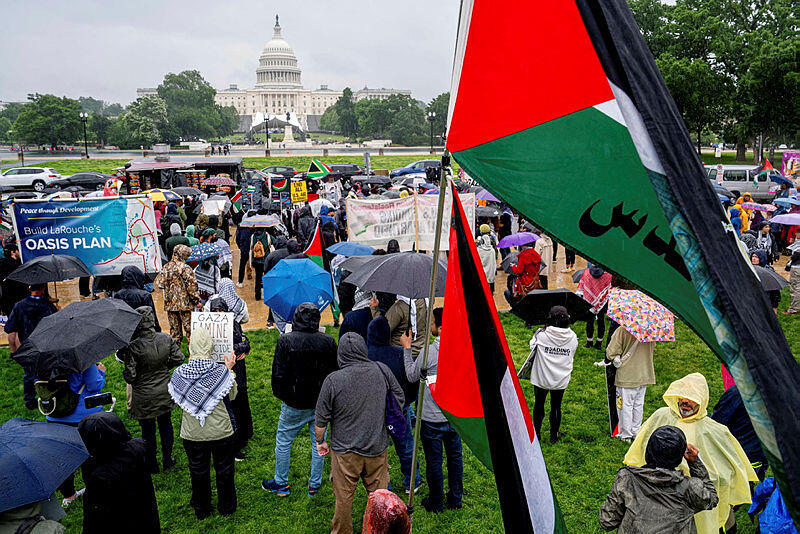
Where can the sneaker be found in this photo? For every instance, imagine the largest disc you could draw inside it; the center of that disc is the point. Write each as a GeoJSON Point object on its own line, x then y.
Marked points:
{"type": "Point", "coordinates": [453, 505]}
{"type": "Point", "coordinates": [555, 437]}
{"type": "Point", "coordinates": [274, 487]}
{"type": "Point", "coordinates": [598, 344]}
{"type": "Point", "coordinates": [416, 489]}
{"type": "Point", "coordinates": [589, 343]}
{"type": "Point", "coordinates": [564, 270]}
{"type": "Point", "coordinates": [239, 457]}
{"type": "Point", "coordinates": [169, 463]}
{"type": "Point", "coordinates": [312, 491]}
{"type": "Point", "coordinates": [69, 500]}
{"type": "Point", "coordinates": [239, 284]}
{"type": "Point", "coordinates": [432, 507]}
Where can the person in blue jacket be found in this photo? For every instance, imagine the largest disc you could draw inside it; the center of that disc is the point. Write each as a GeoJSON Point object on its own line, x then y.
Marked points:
{"type": "Point", "coordinates": [85, 384]}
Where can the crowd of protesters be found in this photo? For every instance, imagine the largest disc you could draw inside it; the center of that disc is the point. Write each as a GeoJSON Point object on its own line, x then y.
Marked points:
{"type": "Point", "coordinates": [684, 465]}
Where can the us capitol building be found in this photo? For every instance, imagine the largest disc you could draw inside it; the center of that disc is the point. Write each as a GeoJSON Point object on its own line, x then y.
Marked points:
{"type": "Point", "coordinates": [279, 90]}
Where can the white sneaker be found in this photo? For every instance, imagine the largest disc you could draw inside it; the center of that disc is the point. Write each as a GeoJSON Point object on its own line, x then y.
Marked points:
{"type": "Point", "coordinates": [69, 500]}
{"type": "Point", "coordinates": [238, 284]}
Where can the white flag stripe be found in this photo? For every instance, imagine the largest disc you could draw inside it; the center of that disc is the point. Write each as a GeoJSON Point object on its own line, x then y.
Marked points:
{"type": "Point", "coordinates": [530, 461]}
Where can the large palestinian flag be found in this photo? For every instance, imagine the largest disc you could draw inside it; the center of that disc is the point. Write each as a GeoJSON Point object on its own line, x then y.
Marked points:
{"type": "Point", "coordinates": [632, 196]}
{"type": "Point", "coordinates": [314, 251]}
{"type": "Point", "coordinates": [478, 391]}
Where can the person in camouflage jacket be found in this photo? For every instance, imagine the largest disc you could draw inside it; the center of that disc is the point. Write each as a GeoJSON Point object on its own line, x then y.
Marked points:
{"type": "Point", "coordinates": [181, 296]}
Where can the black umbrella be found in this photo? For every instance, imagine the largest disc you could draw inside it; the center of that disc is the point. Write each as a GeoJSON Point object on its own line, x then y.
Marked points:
{"type": "Point", "coordinates": [576, 276]}
{"type": "Point", "coordinates": [534, 307]}
{"type": "Point", "coordinates": [374, 179]}
{"type": "Point", "coordinates": [81, 334]}
{"type": "Point", "coordinates": [509, 260]}
{"type": "Point", "coordinates": [52, 268]}
{"type": "Point", "coordinates": [404, 273]}
{"type": "Point", "coordinates": [187, 191]}
{"type": "Point", "coordinates": [770, 280]}
{"type": "Point", "coordinates": [487, 211]}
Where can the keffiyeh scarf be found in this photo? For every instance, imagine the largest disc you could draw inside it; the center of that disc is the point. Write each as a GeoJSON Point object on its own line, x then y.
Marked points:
{"type": "Point", "coordinates": [235, 303]}
{"type": "Point", "coordinates": [199, 385]}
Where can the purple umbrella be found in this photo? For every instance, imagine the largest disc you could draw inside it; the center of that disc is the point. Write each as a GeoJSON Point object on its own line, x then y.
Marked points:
{"type": "Point", "coordinates": [518, 239]}
{"type": "Point", "coordinates": [483, 194]}
{"type": "Point", "coordinates": [791, 219]}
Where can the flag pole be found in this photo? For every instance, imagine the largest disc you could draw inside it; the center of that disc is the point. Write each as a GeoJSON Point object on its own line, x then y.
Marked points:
{"type": "Point", "coordinates": [437, 243]}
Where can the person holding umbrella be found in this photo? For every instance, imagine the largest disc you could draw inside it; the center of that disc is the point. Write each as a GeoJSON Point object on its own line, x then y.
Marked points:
{"type": "Point", "coordinates": [23, 319]}
{"type": "Point", "coordinates": [178, 282]}
{"type": "Point", "coordinates": [148, 361]}
{"type": "Point", "coordinates": [527, 271]}
{"type": "Point", "coordinates": [759, 257]}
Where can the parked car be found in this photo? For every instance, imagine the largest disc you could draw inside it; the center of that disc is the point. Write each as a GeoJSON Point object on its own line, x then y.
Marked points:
{"type": "Point", "coordinates": [36, 178]}
{"type": "Point", "coordinates": [87, 180]}
{"type": "Point", "coordinates": [417, 167]}
{"type": "Point", "coordinates": [739, 179]}
{"type": "Point", "coordinates": [283, 170]}
{"type": "Point", "coordinates": [346, 170]}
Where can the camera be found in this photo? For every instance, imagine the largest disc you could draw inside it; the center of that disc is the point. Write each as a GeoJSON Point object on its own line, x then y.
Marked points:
{"type": "Point", "coordinates": [101, 399]}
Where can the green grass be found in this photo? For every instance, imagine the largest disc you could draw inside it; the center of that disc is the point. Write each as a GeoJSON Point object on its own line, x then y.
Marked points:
{"type": "Point", "coordinates": [582, 466]}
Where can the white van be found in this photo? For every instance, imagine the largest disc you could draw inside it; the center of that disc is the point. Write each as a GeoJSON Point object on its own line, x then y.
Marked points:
{"type": "Point", "coordinates": [739, 179]}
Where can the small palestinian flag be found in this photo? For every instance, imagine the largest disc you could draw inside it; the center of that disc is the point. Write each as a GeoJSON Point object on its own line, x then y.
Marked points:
{"type": "Point", "coordinates": [477, 389]}
{"type": "Point", "coordinates": [314, 253]}
{"type": "Point", "coordinates": [314, 249]}
{"type": "Point", "coordinates": [317, 169]}
{"type": "Point", "coordinates": [236, 201]}
{"type": "Point", "coordinates": [767, 168]}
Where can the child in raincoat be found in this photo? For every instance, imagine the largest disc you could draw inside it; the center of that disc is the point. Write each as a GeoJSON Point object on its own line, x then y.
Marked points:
{"type": "Point", "coordinates": [727, 463]}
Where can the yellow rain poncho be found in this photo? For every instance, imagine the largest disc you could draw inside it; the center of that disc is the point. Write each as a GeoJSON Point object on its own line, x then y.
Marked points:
{"type": "Point", "coordinates": [746, 214]}
{"type": "Point", "coordinates": [727, 463]}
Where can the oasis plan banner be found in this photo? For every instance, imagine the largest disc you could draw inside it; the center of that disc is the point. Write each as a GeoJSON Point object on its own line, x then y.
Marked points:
{"type": "Point", "coordinates": [107, 234]}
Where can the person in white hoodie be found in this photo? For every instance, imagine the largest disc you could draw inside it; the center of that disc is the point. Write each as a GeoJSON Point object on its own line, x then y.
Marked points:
{"type": "Point", "coordinates": [550, 367]}
{"type": "Point", "coordinates": [486, 243]}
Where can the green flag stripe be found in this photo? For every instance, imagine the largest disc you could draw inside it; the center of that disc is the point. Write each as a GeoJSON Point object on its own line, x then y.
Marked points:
{"type": "Point", "coordinates": [616, 216]}
{"type": "Point", "coordinates": [473, 431]}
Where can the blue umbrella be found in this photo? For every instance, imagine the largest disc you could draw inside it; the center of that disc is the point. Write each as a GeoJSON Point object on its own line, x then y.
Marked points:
{"type": "Point", "coordinates": [786, 202]}
{"type": "Point", "coordinates": [348, 248]}
{"type": "Point", "coordinates": [203, 251]}
{"type": "Point", "coordinates": [35, 458]}
{"type": "Point", "coordinates": [723, 198]}
{"type": "Point", "coordinates": [293, 282]}
{"type": "Point", "coordinates": [780, 179]}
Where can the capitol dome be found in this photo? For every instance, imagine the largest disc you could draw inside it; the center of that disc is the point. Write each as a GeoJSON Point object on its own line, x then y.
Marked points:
{"type": "Point", "coordinates": [277, 65]}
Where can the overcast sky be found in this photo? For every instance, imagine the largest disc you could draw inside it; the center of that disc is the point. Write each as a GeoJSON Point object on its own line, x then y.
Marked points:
{"type": "Point", "coordinates": [106, 49]}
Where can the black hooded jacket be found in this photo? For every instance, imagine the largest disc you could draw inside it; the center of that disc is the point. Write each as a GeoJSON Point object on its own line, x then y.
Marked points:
{"type": "Point", "coordinates": [303, 358]}
{"type": "Point", "coordinates": [133, 292]}
{"type": "Point", "coordinates": [276, 255]}
{"type": "Point", "coordinates": [119, 491]}
{"type": "Point", "coordinates": [305, 225]}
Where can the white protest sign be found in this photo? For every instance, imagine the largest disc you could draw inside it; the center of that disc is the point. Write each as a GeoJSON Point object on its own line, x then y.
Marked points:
{"type": "Point", "coordinates": [213, 207]}
{"type": "Point", "coordinates": [220, 326]}
{"type": "Point", "coordinates": [426, 215]}
{"type": "Point", "coordinates": [375, 222]}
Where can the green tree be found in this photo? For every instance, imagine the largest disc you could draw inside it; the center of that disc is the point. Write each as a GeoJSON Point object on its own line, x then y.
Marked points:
{"type": "Point", "coordinates": [329, 122]}
{"type": "Point", "coordinates": [345, 111]}
{"type": "Point", "coordinates": [190, 106]}
{"type": "Point", "coordinates": [145, 122]}
{"type": "Point", "coordinates": [48, 120]}
{"type": "Point", "coordinates": [439, 105]}
{"type": "Point", "coordinates": [91, 105]}
{"type": "Point", "coordinates": [99, 126]}
{"type": "Point", "coordinates": [5, 126]}
{"type": "Point", "coordinates": [408, 127]}
{"type": "Point", "coordinates": [12, 111]}
{"type": "Point", "coordinates": [113, 110]}
{"type": "Point", "coordinates": [229, 120]}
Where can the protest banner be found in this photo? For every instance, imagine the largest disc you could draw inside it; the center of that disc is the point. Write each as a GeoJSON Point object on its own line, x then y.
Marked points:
{"type": "Point", "coordinates": [213, 207]}
{"type": "Point", "coordinates": [426, 216]}
{"type": "Point", "coordinates": [220, 326]}
{"type": "Point", "coordinates": [410, 220]}
{"type": "Point", "coordinates": [299, 192]}
{"type": "Point", "coordinates": [375, 222]}
{"type": "Point", "coordinates": [107, 234]}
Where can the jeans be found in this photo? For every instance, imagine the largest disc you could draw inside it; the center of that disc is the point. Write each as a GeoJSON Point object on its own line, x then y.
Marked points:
{"type": "Point", "coordinates": [167, 438]}
{"type": "Point", "coordinates": [28, 385]}
{"type": "Point", "coordinates": [290, 423]}
{"type": "Point", "coordinates": [200, 455]}
{"type": "Point", "coordinates": [404, 447]}
{"type": "Point", "coordinates": [259, 274]}
{"type": "Point", "coordinates": [244, 257]}
{"type": "Point", "coordinates": [433, 436]}
{"type": "Point", "coordinates": [601, 325]}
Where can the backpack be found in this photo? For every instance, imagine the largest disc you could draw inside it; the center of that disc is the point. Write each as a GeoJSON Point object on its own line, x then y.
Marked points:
{"type": "Point", "coordinates": [56, 398]}
{"type": "Point", "coordinates": [258, 250]}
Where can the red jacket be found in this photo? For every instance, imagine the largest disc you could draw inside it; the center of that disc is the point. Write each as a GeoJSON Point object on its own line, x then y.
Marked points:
{"type": "Point", "coordinates": [527, 270]}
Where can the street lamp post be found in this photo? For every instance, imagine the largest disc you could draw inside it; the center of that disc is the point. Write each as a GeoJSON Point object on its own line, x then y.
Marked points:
{"type": "Point", "coordinates": [431, 118]}
{"type": "Point", "coordinates": [84, 117]}
{"type": "Point", "coordinates": [266, 134]}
